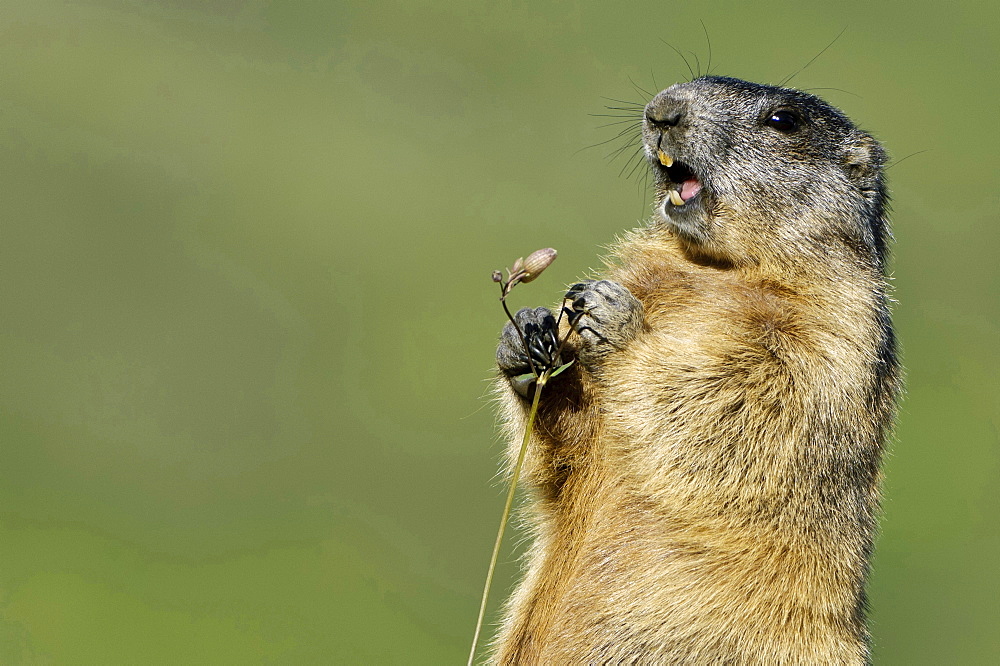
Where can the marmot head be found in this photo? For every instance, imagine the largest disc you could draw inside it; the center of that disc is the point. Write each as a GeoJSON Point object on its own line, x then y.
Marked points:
{"type": "Point", "coordinates": [755, 174]}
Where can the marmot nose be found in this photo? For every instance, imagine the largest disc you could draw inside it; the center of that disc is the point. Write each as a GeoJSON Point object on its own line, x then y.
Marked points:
{"type": "Point", "coordinates": [665, 111]}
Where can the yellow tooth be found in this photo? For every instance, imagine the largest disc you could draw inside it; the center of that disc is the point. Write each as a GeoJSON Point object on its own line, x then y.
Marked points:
{"type": "Point", "coordinates": [675, 198]}
{"type": "Point", "coordinates": [665, 160]}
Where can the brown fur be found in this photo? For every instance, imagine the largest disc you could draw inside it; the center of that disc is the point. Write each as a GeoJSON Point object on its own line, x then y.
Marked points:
{"type": "Point", "coordinates": [708, 492]}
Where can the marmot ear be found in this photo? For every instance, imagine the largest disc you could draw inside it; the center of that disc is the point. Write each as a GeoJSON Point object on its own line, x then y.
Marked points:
{"type": "Point", "coordinates": [863, 160]}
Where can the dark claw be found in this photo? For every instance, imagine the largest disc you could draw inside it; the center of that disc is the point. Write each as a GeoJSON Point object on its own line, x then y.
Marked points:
{"type": "Point", "coordinates": [573, 316]}
{"type": "Point", "coordinates": [577, 297]}
{"type": "Point", "coordinates": [575, 290]}
{"type": "Point", "coordinates": [540, 351]}
{"type": "Point", "coordinates": [542, 341]}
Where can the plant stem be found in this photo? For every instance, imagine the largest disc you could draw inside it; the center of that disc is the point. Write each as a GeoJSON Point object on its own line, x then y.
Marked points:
{"type": "Point", "coordinates": [520, 334]}
{"type": "Point", "coordinates": [529, 426]}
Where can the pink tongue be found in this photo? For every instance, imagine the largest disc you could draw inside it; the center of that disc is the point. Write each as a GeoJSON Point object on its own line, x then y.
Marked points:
{"type": "Point", "coordinates": [689, 188]}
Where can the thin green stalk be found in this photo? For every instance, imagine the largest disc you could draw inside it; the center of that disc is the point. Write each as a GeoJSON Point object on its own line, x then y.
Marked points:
{"type": "Point", "coordinates": [506, 510]}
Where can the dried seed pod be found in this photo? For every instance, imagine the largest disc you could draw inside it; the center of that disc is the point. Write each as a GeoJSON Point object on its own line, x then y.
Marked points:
{"type": "Point", "coordinates": [537, 262]}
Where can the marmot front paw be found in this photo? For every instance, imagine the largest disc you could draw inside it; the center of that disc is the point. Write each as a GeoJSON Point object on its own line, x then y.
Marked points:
{"type": "Point", "coordinates": [604, 314]}
{"type": "Point", "coordinates": [539, 327]}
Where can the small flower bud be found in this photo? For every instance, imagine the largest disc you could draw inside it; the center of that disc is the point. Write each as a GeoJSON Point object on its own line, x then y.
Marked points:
{"type": "Point", "coordinates": [497, 276]}
{"type": "Point", "coordinates": [537, 262]}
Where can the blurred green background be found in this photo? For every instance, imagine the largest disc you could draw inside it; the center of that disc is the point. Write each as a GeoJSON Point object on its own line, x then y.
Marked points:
{"type": "Point", "coordinates": [245, 250]}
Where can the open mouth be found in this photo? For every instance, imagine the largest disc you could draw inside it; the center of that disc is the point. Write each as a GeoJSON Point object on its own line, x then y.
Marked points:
{"type": "Point", "coordinates": [683, 184]}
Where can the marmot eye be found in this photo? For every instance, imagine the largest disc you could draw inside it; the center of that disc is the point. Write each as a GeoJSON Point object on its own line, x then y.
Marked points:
{"type": "Point", "coordinates": [784, 121]}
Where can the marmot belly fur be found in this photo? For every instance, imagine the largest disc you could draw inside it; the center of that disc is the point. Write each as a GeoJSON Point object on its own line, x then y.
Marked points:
{"type": "Point", "coordinates": [705, 477]}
